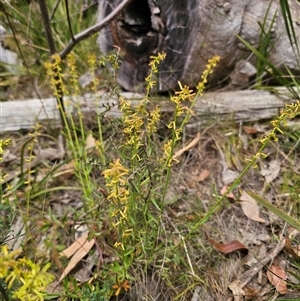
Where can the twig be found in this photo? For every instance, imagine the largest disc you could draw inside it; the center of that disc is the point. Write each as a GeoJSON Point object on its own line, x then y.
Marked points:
{"type": "Point", "coordinates": [187, 254]}
{"type": "Point", "coordinates": [94, 29]}
{"type": "Point", "coordinates": [247, 276]}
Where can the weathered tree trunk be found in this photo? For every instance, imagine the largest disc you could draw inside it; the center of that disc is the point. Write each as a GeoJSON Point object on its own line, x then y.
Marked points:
{"type": "Point", "coordinates": [191, 32]}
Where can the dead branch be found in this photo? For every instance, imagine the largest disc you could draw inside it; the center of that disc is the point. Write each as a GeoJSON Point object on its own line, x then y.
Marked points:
{"type": "Point", "coordinates": [94, 29]}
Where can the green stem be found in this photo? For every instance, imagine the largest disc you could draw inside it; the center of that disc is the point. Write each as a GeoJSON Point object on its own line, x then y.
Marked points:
{"type": "Point", "coordinates": [3, 291]}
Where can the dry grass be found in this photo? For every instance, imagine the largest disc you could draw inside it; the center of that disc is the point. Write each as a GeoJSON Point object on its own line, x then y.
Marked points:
{"type": "Point", "coordinates": [180, 266]}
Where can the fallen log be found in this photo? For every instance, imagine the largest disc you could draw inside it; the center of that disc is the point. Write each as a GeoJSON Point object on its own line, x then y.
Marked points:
{"type": "Point", "coordinates": [238, 106]}
{"type": "Point", "coordinates": [191, 32]}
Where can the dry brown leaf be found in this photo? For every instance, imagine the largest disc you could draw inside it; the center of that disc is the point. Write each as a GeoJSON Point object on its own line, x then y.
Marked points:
{"type": "Point", "coordinates": [294, 251]}
{"type": "Point", "coordinates": [78, 243]}
{"type": "Point", "coordinates": [237, 290]}
{"type": "Point", "coordinates": [187, 147]}
{"type": "Point", "coordinates": [250, 130]}
{"type": "Point", "coordinates": [26, 166]}
{"type": "Point", "coordinates": [16, 234]}
{"type": "Point", "coordinates": [251, 208]}
{"type": "Point", "coordinates": [250, 293]}
{"type": "Point", "coordinates": [8, 157]}
{"type": "Point", "coordinates": [65, 171]}
{"type": "Point", "coordinates": [80, 253]}
{"type": "Point", "coordinates": [293, 233]}
{"type": "Point", "coordinates": [55, 288]}
{"type": "Point", "coordinates": [228, 247]}
{"type": "Point", "coordinates": [203, 175]}
{"type": "Point", "coordinates": [277, 277]}
{"type": "Point", "coordinates": [84, 273]}
{"type": "Point", "coordinates": [50, 154]}
{"type": "Point", "coordinates": [224, 189]}
{"type": "Point", "coordinates": [90, 142]}
{"type": "Point", "coordinates": [229, 176]}
{"type": "Point", "coordinates": [270, 171]}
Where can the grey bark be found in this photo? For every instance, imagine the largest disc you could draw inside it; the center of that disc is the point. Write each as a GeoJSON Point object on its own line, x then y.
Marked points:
{"type": "Point", "coordinates": [191, 32]}
{"type": "Point", "coordinates": [239, 106]}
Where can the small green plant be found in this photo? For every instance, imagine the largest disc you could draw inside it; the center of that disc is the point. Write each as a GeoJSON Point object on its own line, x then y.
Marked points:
{"type": "Point", "coordinates": [135, 175]}
{"type": "Point", "coordinates": [3, 143]}
{"type": "Point", "coordinates": [21, 278]}
{"type": "Point", "coordinates": [288, 113]}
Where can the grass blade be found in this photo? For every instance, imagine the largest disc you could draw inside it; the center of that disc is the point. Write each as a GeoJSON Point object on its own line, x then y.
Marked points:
{"type": "Point", "coordinates": [288, 21]}
{"type": "Point", "coordinates": [284, 216]}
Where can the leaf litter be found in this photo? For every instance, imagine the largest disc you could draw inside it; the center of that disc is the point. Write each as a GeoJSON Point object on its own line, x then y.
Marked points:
{"type": "Point", "coordinates": [79, 249]}
{"type": "Point", "coordinates": [241, 225]}
{"type": "Point", "coordinates": [277, 276]}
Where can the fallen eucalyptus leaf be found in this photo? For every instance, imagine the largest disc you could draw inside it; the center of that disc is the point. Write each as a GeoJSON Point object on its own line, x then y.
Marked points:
{"type": "Point", "coordinates": [277, 277]}
{"type": "Point", "coordinates": [228, 247]}
{"type": "Point", "coordinates": [251, 208]}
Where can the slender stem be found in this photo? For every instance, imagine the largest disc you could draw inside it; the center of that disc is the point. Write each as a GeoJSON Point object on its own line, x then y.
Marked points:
{"type": "Point", "coordinates": [69, 21]}
{"type": "Point", "coordinates": [54, 9]}
{"type": "Point", "coordinates": [47, 25]}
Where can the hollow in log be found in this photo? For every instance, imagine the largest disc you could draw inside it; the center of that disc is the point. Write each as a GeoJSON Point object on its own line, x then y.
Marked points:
{"type": "Point", "coordinates": [191, 32]}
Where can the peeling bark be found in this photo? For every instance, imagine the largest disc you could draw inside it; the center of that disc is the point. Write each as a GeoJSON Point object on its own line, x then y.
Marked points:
{"type": "Point", "coordinates": [191, 32]}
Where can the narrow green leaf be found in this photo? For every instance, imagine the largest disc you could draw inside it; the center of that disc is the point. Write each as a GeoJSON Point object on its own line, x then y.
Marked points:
{"type": "Point", "coordinates": [284, 216]}
{"type": "Point", "coordinates": [276, 73]}
{"type": "Point", "coordinates": [288, 21]}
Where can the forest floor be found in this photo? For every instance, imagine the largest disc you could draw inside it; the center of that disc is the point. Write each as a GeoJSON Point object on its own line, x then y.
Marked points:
{"type": "Point", "coordinates": [190, 229]}
{"type": "Point", "coordinates": [241, 252]}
